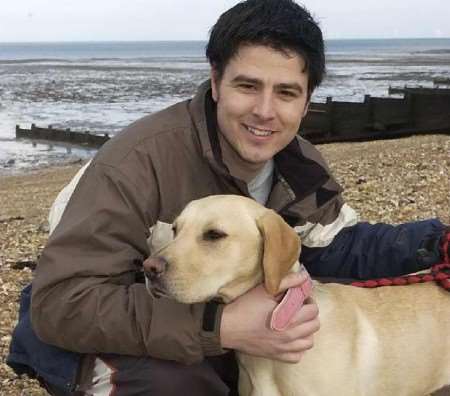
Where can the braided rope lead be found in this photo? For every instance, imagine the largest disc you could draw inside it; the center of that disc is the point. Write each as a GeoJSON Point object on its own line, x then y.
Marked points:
{"type": "Point", "coordinates": [446, 246]}
{"type": "Point", "coordinates": [439, 273]}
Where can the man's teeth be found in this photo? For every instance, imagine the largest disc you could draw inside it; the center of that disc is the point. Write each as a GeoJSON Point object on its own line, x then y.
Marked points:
{"type": "Point", "coordinates": [259, 132]}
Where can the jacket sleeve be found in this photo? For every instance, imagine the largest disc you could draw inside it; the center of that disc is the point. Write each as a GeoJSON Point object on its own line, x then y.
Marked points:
{"type": "Point", "coordinates": [85, 297]}
{"type": "Point", "coordinates": [365, 251]}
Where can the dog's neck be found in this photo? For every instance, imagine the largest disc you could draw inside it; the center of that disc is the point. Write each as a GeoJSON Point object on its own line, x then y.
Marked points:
{"type": "Point", "coordinates": [239, 286]}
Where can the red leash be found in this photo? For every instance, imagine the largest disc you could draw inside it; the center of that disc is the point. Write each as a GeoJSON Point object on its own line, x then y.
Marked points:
{"type": "Point", "coordinates": [439, 273]}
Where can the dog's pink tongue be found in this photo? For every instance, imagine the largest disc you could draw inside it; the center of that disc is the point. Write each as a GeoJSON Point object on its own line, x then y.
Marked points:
{"type": "Point", "coordinates": [289, 305]}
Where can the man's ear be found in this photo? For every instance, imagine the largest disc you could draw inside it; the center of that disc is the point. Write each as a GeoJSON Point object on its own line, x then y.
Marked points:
{"type": "Point", "coordinates": [215, 81]}
{"type": "Point", "coordinates": [281, 249]}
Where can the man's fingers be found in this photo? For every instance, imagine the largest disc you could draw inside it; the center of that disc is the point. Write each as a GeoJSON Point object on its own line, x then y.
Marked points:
{"type": "Point", "coordinates": [303, 325]}
{"type": "Point", "coordinates": [301, 345]}
{"type": "Point", "coordinates": [293, 279]}
{"type": "Point", "coordinates": [295, 348]}
{"type": "Point", "coordinates": [293, 352]}
{"type": "Point", "coordinates": [307, 312]}
{"type": "Point", "coordinates": [291, 357]}
{"type": "Point", "coordinates": [302, 330]}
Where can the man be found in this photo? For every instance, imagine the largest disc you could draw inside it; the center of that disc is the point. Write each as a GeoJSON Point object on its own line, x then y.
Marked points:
{"type": "Point", "coordinates": [238, 135]}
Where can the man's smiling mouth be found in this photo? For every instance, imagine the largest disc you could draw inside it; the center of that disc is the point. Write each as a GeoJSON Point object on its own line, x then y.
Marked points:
{"type": "Point", "coordinates": [258, 132]}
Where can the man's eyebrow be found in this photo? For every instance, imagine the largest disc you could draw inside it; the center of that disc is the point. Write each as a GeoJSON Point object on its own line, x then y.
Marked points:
{"type": "Point", "coordinates": [243, 78]}
{"type": "Point", "coordinates": [246, 79]}
{"type": "Point", "coordinates": [292, 86]}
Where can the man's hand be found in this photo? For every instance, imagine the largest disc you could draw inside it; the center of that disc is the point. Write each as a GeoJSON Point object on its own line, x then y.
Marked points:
{"type": "Point", "coordinates": [245, 324]}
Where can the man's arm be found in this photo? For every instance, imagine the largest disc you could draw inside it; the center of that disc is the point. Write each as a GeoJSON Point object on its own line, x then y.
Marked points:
{"type": "Point", "coordinates": [357, 250]}
{"type": "Point", "coordinates": [85, 297]}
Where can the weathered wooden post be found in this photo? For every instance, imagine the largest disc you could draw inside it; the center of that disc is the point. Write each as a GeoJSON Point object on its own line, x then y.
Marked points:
{"type": "Point", "coordinates": [369, 104]}
{"type": "Point", "coordinates": [330, 113]}
{"type": "Point", "coordinates": [409, 99]}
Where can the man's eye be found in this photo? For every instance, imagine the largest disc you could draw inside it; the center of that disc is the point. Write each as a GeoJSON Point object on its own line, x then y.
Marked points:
{"type": "Point", "coordinates": [247, 87]}
{"type": "Point", "coordinates": [288, 94]}
{"type": "Point", "coordinates": [212, 235]}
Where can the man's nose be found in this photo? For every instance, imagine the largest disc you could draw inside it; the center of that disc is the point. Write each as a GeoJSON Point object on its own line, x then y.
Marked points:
{"type": "Point", "coordinates": [264, 107]}
{"type": "Point", "coordinates": [154, 267]}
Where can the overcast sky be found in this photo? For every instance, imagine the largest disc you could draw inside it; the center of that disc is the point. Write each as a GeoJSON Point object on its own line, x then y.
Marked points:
{"type": "Point", "coordinates": [97, 20]}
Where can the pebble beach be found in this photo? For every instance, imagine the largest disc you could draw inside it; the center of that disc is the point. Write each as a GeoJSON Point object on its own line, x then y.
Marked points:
{"type": "Point", "coordinates": [390, 181]}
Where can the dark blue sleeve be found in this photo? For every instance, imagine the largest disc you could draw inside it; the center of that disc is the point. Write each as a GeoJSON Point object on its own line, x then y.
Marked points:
{"type": "Point", "coordinates": [366, 251]}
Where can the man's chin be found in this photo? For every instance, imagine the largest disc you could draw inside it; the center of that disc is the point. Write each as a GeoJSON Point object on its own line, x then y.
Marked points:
{"type": "Point", "coordinates": [256, 159]}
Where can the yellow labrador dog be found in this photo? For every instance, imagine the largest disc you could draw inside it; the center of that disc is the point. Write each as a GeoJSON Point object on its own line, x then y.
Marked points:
{"type": "Point", "coordinates": [388, 341]}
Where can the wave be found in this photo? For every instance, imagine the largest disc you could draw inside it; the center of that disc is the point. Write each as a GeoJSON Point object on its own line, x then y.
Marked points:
{"type": "Point", "coordinates": [151, 59]}
{"type": "Point", "coordinates": [122, 60]}
{"type": "Point", "coordinates": [392, 61]}
{"type": "Point", "coordinates": [441, 51]}
{"type": "Point", "coordinates": [32, 60]}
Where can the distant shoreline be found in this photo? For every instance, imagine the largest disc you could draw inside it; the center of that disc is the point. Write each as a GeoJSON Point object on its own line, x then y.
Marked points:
{"type": "Point", "coordinates": [334, 39]}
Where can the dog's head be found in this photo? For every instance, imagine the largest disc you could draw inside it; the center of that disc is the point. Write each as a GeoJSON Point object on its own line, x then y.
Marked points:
{"type": "Point", "coordinates": [222, 246]}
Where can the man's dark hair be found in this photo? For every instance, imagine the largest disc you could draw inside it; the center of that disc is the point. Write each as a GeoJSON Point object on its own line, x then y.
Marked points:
{"type": "Point", "coordinates": [280, 24]}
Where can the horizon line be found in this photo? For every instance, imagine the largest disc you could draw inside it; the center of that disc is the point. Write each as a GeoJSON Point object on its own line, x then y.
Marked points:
{"type": "Point", "coordinates": [205, 40]}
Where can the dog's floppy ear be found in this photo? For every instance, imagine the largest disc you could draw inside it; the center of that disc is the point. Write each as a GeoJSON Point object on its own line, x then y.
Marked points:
{"type": "Point", "coordinates": [281, 249]}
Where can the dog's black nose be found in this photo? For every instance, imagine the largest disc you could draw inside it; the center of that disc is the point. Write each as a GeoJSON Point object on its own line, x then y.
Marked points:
{"type": "Point", "coordinates": [154, 267]}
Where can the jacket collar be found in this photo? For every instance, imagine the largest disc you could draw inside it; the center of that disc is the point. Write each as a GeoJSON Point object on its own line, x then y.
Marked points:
{"type": "Point", "coordinates": [203, 110]}
{"type": "Point", "coordinates": [203, 113]}
{"type": "Point", "coordinates": [302, 174]}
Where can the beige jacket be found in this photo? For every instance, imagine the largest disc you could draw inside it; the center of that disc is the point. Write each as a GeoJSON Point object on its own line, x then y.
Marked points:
{"type": "Point", "coordinates": [85, 294]}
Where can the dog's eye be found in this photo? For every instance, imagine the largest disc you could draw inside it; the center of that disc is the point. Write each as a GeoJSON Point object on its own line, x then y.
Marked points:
{"type": "Point", "coordinates": [212, 235]}
{"type": "Point", "coordinates": [174, 229]}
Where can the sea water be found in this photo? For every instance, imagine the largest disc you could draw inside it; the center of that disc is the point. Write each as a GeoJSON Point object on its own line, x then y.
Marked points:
{"type": "Point", "coordinates": [104, 86]}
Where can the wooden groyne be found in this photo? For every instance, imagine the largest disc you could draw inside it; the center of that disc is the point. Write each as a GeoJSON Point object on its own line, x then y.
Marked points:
{"type": "Point", "coordinates": [419, 90]}
{"type": "Point", "coordinates": [438, 81]}
{"type": "Point", "coordinates": [419, 111]}
{"type": "Point", "coordinates": [62, 135]}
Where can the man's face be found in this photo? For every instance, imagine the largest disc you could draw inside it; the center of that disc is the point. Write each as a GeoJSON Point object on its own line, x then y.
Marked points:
{"type": "Point", "coordinates": [261, 100]}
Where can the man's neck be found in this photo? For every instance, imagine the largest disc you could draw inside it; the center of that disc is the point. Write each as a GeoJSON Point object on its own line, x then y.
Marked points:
{"type": "Point", "coordinates": [238, 167]}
